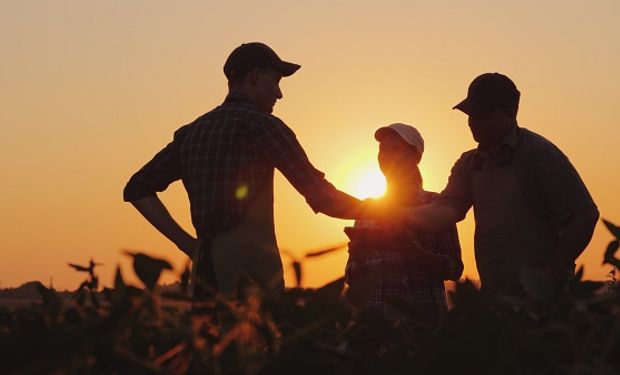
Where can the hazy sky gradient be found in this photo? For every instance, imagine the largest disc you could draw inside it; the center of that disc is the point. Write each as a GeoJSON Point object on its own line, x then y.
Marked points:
{"type": "Point", "coordinates": [90, 90]}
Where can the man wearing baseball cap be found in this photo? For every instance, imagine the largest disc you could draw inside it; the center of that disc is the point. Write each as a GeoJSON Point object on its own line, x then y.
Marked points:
{"type": "Point", "coordinates": [226, 160]}
{"type": "Point", "coordinates": [534, 216]}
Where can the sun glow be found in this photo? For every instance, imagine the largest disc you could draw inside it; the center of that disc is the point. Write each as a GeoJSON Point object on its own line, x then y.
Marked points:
{"type": "Point", "coordinates": [359, 175]}
{"type": "Point", "coordinates": [366, 182]}
{"type": "Point", "coordinates": [371, 184]}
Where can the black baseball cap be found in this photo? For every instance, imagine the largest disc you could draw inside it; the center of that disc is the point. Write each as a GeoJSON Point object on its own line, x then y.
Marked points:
{"type": "Point", "coordinates": [487, 92]}
{"type": "Point", "coordinates": [253, 55]}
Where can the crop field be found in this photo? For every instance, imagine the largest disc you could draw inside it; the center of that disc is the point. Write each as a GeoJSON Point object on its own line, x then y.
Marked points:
{"type": "Point", "coordinates": [140, 330]}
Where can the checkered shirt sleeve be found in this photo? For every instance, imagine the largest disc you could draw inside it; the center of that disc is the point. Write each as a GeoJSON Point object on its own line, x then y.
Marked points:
{"type": "Point", "coordinates": [156, 175]}
{"type": "Point", "coordinates": [278, 143]}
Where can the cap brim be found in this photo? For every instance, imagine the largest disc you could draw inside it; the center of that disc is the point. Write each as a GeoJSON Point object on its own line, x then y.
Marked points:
{"type": "Point", "coordinates": [471, 108]}
{"type": "Point", "coordinates": [382, 131]}
{"type": "Point", "coordinates": [464, 106]}
{"type": "Point", "coordinates": [287, 68]}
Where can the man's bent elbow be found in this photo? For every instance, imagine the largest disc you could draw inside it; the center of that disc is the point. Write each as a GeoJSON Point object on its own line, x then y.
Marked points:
{"type": "Point", "coordinates": [585, 220]}
{"type": "Point", "coordinates": [129, 192]}
{"type": "Point", "coordinates": [587, 215]}
{"type": "Point", "coordinates": [134, 191]}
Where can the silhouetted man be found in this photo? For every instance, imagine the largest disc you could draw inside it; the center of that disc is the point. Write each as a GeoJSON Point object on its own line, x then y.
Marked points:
{"type": "Point", "coordinates": [226, 160]}
{"type": "Point", "coordinates": [532, 210]}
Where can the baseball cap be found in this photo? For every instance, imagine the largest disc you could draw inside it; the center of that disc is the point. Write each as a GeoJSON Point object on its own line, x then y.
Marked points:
{"type": "Point", "coordinates": [408, 133]}
{"type": "Point", "coordinates": [487, 92]}
{"type": "Point", "coordinates": [256, 55]}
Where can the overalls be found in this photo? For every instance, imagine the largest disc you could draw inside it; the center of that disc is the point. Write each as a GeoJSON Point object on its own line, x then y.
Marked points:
{"type": "Point", "coordinates": [508, 237]}
{"type": "Point", "coordinates": [248, 247]}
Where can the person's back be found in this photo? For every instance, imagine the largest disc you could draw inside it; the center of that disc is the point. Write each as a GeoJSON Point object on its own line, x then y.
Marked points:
{"type": "Point", "coordinates": [223, 166]}
{"type": "Point", "coordinates": [229, 182]}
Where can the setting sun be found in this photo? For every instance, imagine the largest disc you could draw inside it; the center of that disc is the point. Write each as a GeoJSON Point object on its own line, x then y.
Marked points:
{"type": "Point", "coordinates": [359, 174]}
{"type": "Point", "coordinates": [366, 182]}
{"type": "Point", "coordinates": [371, 184]}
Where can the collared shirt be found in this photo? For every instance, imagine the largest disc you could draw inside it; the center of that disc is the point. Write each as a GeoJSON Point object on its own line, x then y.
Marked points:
{"type": "Point", "coordinates": [401, 277]}
{"type": "Point", "coordinates": [548, 180]}
{"type": "Point", "coordinates": [225, 158]}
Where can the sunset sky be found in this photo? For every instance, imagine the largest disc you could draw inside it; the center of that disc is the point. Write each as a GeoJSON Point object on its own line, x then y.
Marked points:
{"type": "Point", "coordinates": [90, 90]}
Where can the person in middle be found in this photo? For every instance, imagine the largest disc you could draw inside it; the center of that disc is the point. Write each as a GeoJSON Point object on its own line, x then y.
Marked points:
{"type": "Point", "coordinates": [406, 263]}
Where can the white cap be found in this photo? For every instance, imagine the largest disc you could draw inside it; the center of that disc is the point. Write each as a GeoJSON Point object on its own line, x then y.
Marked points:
{"type": "Point", "coordinates": [408, 133]}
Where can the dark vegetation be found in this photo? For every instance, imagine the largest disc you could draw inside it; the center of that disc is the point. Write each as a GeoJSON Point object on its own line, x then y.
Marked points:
{"type": "Point", "coordinates": [130, 330]}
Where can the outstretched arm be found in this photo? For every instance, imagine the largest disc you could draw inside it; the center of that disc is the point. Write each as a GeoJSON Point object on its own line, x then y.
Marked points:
{"type": "Point", "coordinates": [279, 144]}
{"type": "Point", "coordinates": [431, 217]}
{"type": "Point", "coordinates": [342, 206]}
{"type": "Point", "coordinates": [153, 209]}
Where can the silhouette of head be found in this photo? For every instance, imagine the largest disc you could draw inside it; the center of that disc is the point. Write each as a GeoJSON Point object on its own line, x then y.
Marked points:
{"type": "Point", "coordinates": [256, 70]}
{"type": "Point", "coordinates": [400, 151]}
{"type": "Point", "coordinates": [250, 56]}
{"type": "Point", "coordinates": [487, 92]}
{"type": "Point", "coordinates": [492, 103]}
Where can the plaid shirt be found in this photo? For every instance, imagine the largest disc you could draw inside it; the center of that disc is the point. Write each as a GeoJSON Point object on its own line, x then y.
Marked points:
{"type": "Point", "coordinates": [399, 277]}
{"type": "Point", "coordinates": [225, 158]}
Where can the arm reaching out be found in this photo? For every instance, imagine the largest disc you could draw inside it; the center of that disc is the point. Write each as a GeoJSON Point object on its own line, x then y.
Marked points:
{"type": "Point", "coordinates": [153, 209]}
{"type": "Point", "coordinates": [343, 206]}
{"type": "Point", "coordinates": [279, 144]}
{"type": "Point", "coordinates": [431, 217]}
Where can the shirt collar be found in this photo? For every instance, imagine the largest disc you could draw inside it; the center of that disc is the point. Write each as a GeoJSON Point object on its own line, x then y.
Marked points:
{"type": "Point", "coordinates": [510, 140]}
{"type": "Point", "coordinates": [239, 99]}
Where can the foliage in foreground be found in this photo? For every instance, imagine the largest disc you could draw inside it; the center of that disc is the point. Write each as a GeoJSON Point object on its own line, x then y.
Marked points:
{"type": "Point", "coordinates": [129, 330]}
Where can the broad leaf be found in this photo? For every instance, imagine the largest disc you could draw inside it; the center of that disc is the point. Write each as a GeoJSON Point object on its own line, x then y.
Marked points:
{"type": "Point", "coordinates": [78, 268]}
{"type": "Point", "coordinates": [148, 268]}
{"type": "Point", "coordinates": [610, 254]}
{"type": "Point", "coordinates": [328, 250]}
{"type": "Point", "coordinates": [615, 230]}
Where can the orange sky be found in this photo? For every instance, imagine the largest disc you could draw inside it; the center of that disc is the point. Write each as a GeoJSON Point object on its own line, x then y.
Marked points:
{"type": "Point", "coordinates": [91, 90]}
